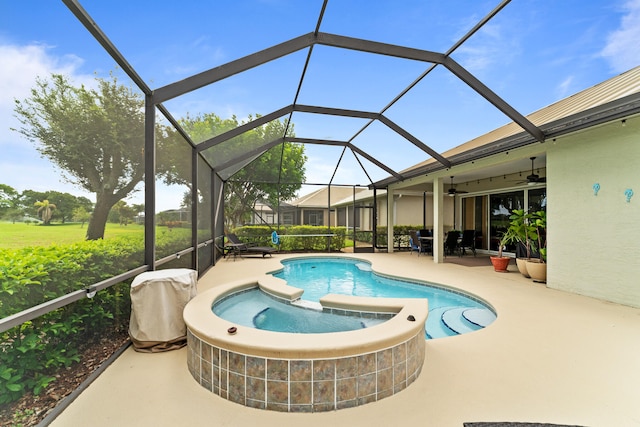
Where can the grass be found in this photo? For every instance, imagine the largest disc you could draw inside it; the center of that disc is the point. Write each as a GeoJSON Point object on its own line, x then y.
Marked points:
{"type": "Point", "coordinates": [18, 235]}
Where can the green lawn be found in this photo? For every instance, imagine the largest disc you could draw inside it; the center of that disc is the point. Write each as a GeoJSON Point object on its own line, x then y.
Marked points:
{"type": "Point", "coordinates": [20, 234]}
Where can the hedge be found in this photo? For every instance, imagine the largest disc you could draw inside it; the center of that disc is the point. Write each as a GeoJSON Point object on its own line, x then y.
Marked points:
{"type": "Point", "coordinates": [292, 237]}
{"type": "Point", "coordinates": [31, 353]}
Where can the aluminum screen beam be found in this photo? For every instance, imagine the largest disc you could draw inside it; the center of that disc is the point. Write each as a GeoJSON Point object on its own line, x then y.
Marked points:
{"type": "Point", "coordinates": [415, 141]}
{"type": "Point", "coordinates": [335, 112]}
{"type": "Point", "coordinates": [317, 141]}
{"type": "Point", "coordinates": [361, 45]}
{"type": "Point", "coordinates": [249, 154]}
{"type": "Point", "coordinates": [493, 98]}
{"type": "Point", "coordinates": [101, 38]}
{"type": "Point", "coordinates": [175, 124]}
{"type": "Point", "coordinates": [613, 110]}
{"type": "Point", "coordinates": [263, 120]}
{"type": "Point", "coordinates": [456, 45]}
{"type": "Point", "coordinates": [373, 116]}
{"type": "Point", "coordinates": [328, 111]}
{"type": "Point", "coordinates": [231, 68]}
{"type": "Point", "coordinates": [435, 58]}
{"type": "Point", "coordinates": [374, 161]}
{"type": "Point", "coordinates": [349, 145]}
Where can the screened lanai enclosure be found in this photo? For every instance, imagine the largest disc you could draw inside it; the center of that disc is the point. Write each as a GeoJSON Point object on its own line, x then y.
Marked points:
{"type": "Point", "coordinates": [227, 166]}
{"type": "Point", "coordinates": [324, 122]}
{"type": "Point", "coordinates": [307, 123]}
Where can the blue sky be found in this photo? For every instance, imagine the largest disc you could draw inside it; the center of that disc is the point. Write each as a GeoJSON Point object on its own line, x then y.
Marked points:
{"type": "Point", "coordinates": [533, 53]}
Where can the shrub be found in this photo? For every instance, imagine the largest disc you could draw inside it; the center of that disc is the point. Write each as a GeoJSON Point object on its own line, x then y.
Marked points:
{"type": "Point", "coordinates": [31, 353]}
{"type": "Point", "coordinates": [301, 237]}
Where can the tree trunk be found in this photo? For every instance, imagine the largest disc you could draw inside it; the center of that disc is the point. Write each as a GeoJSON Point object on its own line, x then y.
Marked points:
{"type": "Point", "coordinates": [98, 221]}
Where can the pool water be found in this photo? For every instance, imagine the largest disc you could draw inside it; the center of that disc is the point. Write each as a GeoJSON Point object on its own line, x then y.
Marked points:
{"type": "Point", "coordinates": [450, 313]}
{"type": "Point", "coordinates": [256, 309]}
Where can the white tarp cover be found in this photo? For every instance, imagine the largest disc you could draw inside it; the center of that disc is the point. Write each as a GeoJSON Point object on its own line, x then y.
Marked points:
{"type": "Point", "coordinates": [157, 301]}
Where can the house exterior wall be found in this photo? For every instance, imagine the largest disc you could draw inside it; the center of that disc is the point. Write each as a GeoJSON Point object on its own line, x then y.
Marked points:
{"type": "Point", "coordinates": [594, 241]}
{"type": "Point", "coordinates": [409, 210]}
{"type": "Point", "coordinates": [382, 210]}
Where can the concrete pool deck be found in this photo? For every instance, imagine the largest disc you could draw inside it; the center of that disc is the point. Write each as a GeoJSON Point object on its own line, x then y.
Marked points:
{"type": "Point", "coordinates": [550, 357]}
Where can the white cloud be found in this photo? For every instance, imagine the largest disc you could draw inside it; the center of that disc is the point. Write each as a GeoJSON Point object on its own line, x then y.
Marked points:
{"type": "Point", "coordinates": [493, 44]}
{"type": "Point", "coordinates": [22, 166]}
{"type": "Point", "coordinates": [318, 169]}
{"type": "Point", "coordinates": [564, 88]}
{"type": "Point", "coordinates": [621, 49]}
{"type": "Point", "coordinates": [21, 65]}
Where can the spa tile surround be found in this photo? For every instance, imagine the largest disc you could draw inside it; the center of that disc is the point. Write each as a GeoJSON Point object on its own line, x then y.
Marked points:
{"type": "Point", "coordinates": [305, 385]}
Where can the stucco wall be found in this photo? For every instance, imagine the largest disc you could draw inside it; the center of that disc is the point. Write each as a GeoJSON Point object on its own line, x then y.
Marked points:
{"type": "Point", "coordinates": [594, 241]}
{"type": "Point", "coordinates": [409, 211]}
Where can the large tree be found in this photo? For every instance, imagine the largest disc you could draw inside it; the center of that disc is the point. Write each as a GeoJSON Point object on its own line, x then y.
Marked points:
{"type": "Point", "coordinates": [10, 203]}
{"type": "Point", "coordinates": [95, 135]}
{"type": "Point", "coordinates": [275, 175]}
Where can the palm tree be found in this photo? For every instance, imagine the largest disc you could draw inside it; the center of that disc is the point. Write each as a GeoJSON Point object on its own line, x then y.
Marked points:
{"type": "Point", "coordinates": [45, 207]}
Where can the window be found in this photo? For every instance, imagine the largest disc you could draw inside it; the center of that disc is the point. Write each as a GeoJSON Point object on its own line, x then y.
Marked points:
{"type": "Point", "coordinates": [287, 218]}
{"type": "Point", "coordinates": [313, 217]}
{"type": "Point", "coordinates": [537, 200]}
{"type": "Point", "coordinates": [500, 207]}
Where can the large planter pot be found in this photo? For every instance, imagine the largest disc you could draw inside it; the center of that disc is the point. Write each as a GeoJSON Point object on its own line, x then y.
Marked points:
{"type": "Point", "coordinates": [500, 264]}
{"type": "Point", "coordinates": [537, 270]}
{"type": "Point", "coordinates": [522, 266]}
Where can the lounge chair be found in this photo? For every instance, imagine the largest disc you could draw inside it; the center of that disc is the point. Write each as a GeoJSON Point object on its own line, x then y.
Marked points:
{"type": "Point", "coordinates": [239, 247]}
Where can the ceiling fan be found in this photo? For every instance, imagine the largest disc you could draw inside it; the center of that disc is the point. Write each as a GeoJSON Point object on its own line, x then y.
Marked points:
{"type": "Point", "coordinates": [534, 178]}
{"type": "Point", "coordinates": [452, 189]}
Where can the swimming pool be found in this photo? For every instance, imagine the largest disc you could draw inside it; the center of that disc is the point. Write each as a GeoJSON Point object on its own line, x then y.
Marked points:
{"type": "Point", "coordinates": [450, 312]}
{"type": "Point", "coordinates": [316, 372]}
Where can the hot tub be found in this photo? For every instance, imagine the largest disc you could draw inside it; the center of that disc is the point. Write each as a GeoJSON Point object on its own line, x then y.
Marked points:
{"type": "Point", "coordinates": [293, 372]}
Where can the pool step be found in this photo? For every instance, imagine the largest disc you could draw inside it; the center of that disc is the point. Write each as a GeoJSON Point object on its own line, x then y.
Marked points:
{"type": "Point", "coordinates": [363, 266]}
{"type": "Point", "coordinates": [448, 321]}
{"type": "Point", "coordinates": [434, 326]}
{"type": "Point", "coordinates": [479, 316]}
{"type": "Point", "coordinates": [454, 319]}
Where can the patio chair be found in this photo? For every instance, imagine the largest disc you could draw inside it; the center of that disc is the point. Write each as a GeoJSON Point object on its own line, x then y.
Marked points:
{"type": "Point", "coordinates": [239, 247]}
{"type": "Point", "coordinates": [451, 243]}
{"type": "Point", "coordinates": [468, 242]}
{"type": "Point", "coordinates": [414, 242]}
{"type": "Point", "coordinates": [426, 246]}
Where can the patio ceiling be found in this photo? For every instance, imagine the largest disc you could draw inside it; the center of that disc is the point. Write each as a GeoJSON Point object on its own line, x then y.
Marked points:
{"type": "Point", "coordinates": [368, 132]}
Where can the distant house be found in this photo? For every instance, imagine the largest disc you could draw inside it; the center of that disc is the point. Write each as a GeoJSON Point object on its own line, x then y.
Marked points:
{"type": "Point", "coordinates": [265, 214]}
{"type": "Point", "coordinates": [316, 208]}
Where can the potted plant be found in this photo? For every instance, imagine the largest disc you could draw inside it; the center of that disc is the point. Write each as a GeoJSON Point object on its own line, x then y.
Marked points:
{"type": "Point", "coordinates": [524, 232]}
{"type": "Point", "coordinates": [501, 263]}
{"type": "Point", "coordinates": [537, 268]}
